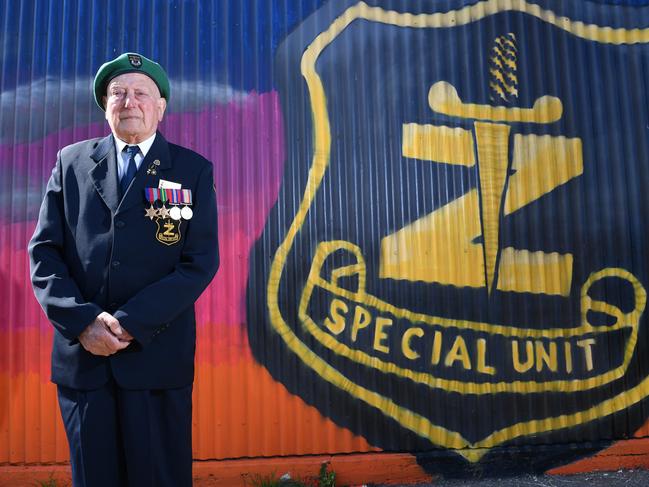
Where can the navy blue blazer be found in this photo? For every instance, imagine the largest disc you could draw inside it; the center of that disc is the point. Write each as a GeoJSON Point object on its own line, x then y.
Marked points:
{"type": "Point", "coordinates": [93, 252]}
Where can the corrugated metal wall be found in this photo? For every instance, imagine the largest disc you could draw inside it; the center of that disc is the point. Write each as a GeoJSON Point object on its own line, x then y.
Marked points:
{"type": "Point", "coordinates": [431, 215]}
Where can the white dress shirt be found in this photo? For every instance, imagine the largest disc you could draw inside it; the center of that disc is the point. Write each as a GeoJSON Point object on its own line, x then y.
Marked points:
{"type": "Point", "coordinates": [122, 157]}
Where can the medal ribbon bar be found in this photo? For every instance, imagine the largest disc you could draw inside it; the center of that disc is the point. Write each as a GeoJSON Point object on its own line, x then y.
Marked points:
{"type": "Point", "coordinates": [173, 196]}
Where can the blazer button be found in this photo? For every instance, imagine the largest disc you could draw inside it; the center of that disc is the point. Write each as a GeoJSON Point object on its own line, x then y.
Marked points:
{"type": "Point", "coordinates": [120, 224]}
{"type": "Point", "coordinates": [115, 263]}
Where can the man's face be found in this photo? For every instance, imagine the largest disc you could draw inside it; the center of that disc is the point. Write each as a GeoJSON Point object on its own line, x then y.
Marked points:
{"type": "Point", "coordinates": [134, 107]}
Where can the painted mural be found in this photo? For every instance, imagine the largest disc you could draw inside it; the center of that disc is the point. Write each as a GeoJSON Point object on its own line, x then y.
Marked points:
{"type": "Point", "coordinates": [456, 258]}
{"type": "Point", "coordinates": [432, 220]}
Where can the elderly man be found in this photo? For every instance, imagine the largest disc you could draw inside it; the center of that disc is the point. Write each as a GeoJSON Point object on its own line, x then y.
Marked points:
{"type": "Point", "coordinates": [126, 242]}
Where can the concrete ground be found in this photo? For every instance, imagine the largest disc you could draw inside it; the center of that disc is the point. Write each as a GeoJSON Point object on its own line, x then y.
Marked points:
{"type": "Point", "coordinates": [621, 478]}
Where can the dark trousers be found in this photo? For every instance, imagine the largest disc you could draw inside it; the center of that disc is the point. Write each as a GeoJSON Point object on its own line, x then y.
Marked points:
{"type": "Point", "coordinates": [131, 438]}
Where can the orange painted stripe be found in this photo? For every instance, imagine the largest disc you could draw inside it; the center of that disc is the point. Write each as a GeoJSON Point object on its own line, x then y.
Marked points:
{"type": "Point", "coordinates": [31, 430]}
{"type": "Point", "coordinates": [626, 454]}
{"type": "Point", "coordinates": [350, 470]}
{"type": "Point", "coordinates": [239, 409]}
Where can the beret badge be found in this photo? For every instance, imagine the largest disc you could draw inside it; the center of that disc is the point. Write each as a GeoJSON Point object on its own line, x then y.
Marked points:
{"type": "Point", "coordinates": [135, 60]}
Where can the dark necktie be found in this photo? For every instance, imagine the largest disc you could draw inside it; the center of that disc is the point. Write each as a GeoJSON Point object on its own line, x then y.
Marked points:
{"type": "Point", "coordinates": [131, 169]}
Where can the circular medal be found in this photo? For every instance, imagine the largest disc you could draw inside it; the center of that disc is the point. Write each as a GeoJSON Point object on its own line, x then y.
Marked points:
{"type": "Point", "coordinates": [174, 213]}
{"type": "Point", "coordinates": [187, 213]}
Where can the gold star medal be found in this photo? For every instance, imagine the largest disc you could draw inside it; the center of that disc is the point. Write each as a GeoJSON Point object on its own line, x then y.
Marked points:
{"type": "Point", "coordinates": [151, 195]}
{"type": "Point", "coordinates": [151, 212]}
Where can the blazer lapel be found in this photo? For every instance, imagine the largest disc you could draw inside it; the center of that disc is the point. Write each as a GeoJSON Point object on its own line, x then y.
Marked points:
{"type": "Point", "coordinates": [104, 173]}
{"type": "Point", "coordinates": [159, 152]}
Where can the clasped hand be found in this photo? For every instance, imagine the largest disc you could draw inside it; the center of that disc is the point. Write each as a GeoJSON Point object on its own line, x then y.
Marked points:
{"type": "Point", "coordinates": [105, 336]}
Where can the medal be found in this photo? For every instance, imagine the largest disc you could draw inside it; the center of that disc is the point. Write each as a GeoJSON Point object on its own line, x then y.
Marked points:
{"type": "Point", "coordinates": [151, 212]}
{"type": "Point", "coordinates": [175, 213]}
{"type": "Point", "coordinates": [186, 213]}
{"type": "Point", "coordinates": [167, 220]}
{"type": "Point", "coordinates": [167, 231]}
{"type": "Point", "coordinates": [153, 168]}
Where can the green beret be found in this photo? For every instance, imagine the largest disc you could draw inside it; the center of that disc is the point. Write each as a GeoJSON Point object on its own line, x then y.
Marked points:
{"type": "Point", "coordinates": [129, 62]}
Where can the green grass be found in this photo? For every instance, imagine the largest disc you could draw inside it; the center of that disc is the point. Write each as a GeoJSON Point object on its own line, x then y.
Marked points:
{"type": "Point", "coordinates": [326, 478]}
{"type": "Point", "coordinates": [50, 482]}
